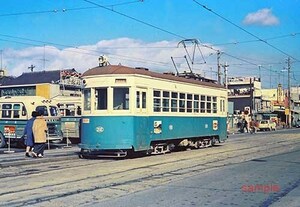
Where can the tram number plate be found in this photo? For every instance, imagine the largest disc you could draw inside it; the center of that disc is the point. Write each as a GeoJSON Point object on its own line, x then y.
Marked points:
{"type": "Point", "coordinates": [86, 121]}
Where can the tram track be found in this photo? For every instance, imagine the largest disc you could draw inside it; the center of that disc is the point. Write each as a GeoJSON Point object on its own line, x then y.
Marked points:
{"type": "Point", "coordinates": [61, 161]}
{"type": "Point", "coordinates": [166, 175]}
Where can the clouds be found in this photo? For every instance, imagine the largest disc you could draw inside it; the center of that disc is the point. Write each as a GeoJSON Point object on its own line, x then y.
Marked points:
{"type": "Point", "coordinates": [126, 51]}
{"type": "Point", "coordinates": [262, 17]}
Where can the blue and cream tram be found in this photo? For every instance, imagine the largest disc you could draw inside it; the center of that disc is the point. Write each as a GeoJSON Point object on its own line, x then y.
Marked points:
{"type": "Point", "coordinates": [70, 111]}
{"type": "Point", "coordinates": [15, 111]}
{"type": "Point", "coordinates": [132, 110]}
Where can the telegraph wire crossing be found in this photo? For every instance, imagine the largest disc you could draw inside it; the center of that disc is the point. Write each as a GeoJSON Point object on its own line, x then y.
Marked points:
{"type": "Point", "coordinates": [153, 26]}
{"type": "Point", "coordinates": [96, 53]}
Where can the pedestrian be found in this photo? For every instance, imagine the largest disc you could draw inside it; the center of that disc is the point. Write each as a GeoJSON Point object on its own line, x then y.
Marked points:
{"type": "Point", "coordinates": [252, 126]}
{"type": "Point", "coordinates": [245, 125]}
{"type": "Point", "coordinates": [39, 130]}
{"type": "Point", "coordinates": [29, 141]}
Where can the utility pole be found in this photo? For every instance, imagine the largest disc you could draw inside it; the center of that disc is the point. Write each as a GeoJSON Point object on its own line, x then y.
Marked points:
{"type": "Point", "coordinates": [289, 92]}
{"type": "Point", "coordinates": [225, 66]}
{"type": "Point", "coordinates": [270, 77]}
{"type": "Point", "coordinates": [219, 66]}
{"type": "Point", "coordinates": [259, 67]}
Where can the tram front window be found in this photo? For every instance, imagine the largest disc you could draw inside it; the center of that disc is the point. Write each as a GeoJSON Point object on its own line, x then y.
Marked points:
{"type": "Point", "coordinates": [121, 99]}
{"type": "Point", "coordinates": [101, 98]}
{"type": "Point", "coordinates": [87, 99]}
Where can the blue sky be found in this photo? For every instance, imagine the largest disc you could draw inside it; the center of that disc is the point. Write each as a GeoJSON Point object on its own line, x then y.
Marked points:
{"type": "Point", "coordinates": [72, 34]}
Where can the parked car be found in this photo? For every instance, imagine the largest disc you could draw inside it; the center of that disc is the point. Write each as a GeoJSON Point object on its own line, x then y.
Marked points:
{"type": "Point", "coordinates": [266, 125]}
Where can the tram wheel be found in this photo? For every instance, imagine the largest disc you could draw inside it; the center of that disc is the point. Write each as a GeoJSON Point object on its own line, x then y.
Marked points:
{"type": "Point", "coordinates": [81, 156]}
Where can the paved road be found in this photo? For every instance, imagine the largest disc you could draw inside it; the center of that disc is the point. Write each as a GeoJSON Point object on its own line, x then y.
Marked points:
{"type": "Point", "coordinates": [218, 176]}
{"type": "Point", "coordinates": [273, 180]}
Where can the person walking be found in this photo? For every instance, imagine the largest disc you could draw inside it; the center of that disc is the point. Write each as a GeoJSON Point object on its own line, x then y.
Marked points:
{"type": "Point", "coordinates": [39, 130]}
{"type": "Point", "coordinates": [245, 125]}
{"type": "Point", "coordinates": [29, 141]}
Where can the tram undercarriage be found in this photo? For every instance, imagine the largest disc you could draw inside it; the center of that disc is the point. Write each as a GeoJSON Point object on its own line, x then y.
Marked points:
{"type": "Point", "coordinates": [156, 148]}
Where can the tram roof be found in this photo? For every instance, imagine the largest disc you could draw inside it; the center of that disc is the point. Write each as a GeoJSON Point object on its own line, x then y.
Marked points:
{"type": "Point", "coordinates": [124, 70]}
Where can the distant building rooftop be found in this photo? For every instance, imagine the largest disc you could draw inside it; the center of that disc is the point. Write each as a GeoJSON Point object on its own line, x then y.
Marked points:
{"type": "Point", "coordinates": [37, 77]}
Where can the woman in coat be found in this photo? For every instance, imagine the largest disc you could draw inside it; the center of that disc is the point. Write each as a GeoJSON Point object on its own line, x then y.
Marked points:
{"type": "Point", "coordinates": [39, 130]}
{"type": "Point", "coordinates": [29, 141]}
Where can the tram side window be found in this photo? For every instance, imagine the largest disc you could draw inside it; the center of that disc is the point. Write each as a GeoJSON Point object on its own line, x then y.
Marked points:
{"type": "Point", "coordinates": [6, 110]}
{"type": "Point", "coordinates": [53, 111]}
{"type": "Point", "coordinates": [166, 100]}
{"type": "Point", "coordinates": [101, 98]}
{"type": "Point", "coordinates": [156, 101]}
{"type": "Point", "coordinates": [16, 111]}
{"type": "Point", "coordinates": [196, 103]}
{"type": "Point", "coordinates": [215, 108]}
{"type": "Point", "coordinates": [182, 102]}
{"type": "Point", "coordinates": [87, 99]}
{"type": "Point", "coordinates": [138, 101]}
{"type": "Point", "coordinates": [144, 100]}
{"type": "Point", "coordinates": [202, 104]}
{"type": "Point", "coordinates": [189, 103]}
{"type": "Point", "coordinates": [174, 102]}
{"type": "Point", "coordinates": [121, 99]}
{"type": "Point", "coordinates": [78, 110]}
{"type": "Point", "coordinates": [208, 104]}
{"type": "Point", "coordinates": [24, 111]}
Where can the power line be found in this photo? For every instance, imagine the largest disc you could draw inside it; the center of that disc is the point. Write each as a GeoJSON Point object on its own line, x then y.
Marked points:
{"type": "Point", "coordinates": [96, 52]}
{"type": "Point", "coordinates": [250, 41]}
{"type": "Point", "coordinates": [67, 9]}
{"type": "Point", "coordinates": [260, 39]}
{"type": "Point", "coordinates": [135, 19]}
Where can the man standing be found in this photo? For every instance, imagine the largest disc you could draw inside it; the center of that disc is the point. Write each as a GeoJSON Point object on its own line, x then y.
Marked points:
{"type": "Point", "coordinates": [39, 130]}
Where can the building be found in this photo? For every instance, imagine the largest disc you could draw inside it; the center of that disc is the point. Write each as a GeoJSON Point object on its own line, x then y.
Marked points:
{"type": "Point", "coordinates": [3, 78]}
{"type": "Point", "coordinates": [295, 105]}
{"type": "Point", "coordinates": [48, 84]}
{"type": "Point", "coordinates": [245, 93]}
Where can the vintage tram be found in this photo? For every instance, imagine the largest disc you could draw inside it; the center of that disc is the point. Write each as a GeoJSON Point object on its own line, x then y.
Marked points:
{"type": "Point", "coordinates": [15, 111]}
{"type": "Point", "coordinates": [127, 110]}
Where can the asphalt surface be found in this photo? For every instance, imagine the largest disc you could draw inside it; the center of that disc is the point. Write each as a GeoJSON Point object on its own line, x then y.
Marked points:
{"type": "Point", "coordinates": [247, 170]}
{"type": "Point", "coordinates": [271, 181]}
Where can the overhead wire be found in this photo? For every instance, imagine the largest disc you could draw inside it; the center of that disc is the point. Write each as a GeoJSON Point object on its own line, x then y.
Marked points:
{"type": "Point", "coordinates": [249, 41]}
{"type": "Point", "coordinates": [158, 28]}
{"type": "Point", "coordinates": [67, 9]}
{"type": "Point", "coordinates": [87, 51]}
{"type": "Point", "coordinates": [137, 20]}
{"type": "Point", "coordinates": [250, 33]}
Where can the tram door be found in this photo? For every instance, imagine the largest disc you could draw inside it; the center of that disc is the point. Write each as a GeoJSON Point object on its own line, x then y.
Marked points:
{"type": "Point", "coordinates": [141, 119]}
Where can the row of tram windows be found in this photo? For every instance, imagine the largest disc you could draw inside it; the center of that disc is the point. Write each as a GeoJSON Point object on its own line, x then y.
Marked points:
{"type": "Point", "coordinates": [166, 101]}
{"type": "Point", "coordinates": [163, 101]}
{"type": "Point", "coordinates": [69, 109]}
{"type": "Point", "coordinates": [9, 110]}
